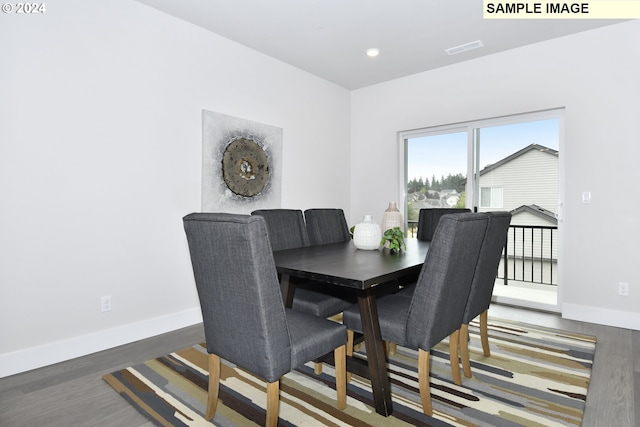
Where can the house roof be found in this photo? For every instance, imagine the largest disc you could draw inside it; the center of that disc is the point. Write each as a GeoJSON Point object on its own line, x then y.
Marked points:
{"type": "Point", "coordinates": [517, 154]}
{"type": "Point", "coordinates": [538, 211]}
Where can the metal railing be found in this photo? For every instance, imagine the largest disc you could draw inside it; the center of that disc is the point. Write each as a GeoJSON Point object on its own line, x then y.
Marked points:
{"type": "Point", "coordinates": [530, 255]}
{"type": "Point", "coordinates": [412, 228]}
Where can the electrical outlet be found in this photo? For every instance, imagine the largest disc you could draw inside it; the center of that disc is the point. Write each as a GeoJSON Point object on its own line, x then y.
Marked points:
{"type": "Point", "coordinates": [105, 303]}
{"type": "Point", "coordinates": [623, 289]}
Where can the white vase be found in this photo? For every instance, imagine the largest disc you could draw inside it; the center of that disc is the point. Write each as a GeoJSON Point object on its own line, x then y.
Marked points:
{"type": "Point", "coordinates": [392, 218]}
{"type": "Point", "coordinates": [367, 234]}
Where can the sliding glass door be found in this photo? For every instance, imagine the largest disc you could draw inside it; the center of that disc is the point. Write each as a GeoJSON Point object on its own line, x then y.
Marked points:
{"type": "Point", "coordinates": [507, 164]}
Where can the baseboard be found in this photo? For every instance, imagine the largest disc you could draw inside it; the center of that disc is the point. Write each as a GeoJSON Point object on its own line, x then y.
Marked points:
{"type": "Point", "coordinates": [59, 351]}
{"type": "Point", "coordinates": [534, 305]}
{"type": "Point", "coordinates": [602, 316]}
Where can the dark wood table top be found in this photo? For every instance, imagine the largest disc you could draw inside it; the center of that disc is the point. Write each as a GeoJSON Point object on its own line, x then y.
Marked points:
{"type": "Point", "coordinates": [345, 265]}
{"type": "Point", "coordinates": [342, 264]}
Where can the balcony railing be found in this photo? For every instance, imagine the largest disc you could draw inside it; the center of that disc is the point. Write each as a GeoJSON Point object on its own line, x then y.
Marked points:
{"type": "Point", "coordinates": [530, 255]}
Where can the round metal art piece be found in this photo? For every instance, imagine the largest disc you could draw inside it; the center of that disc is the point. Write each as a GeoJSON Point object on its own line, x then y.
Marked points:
{"type": "Point", "coordinates": [245, 167]}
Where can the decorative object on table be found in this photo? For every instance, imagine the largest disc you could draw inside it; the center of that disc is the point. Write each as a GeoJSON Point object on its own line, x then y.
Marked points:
{"type": "Point", "coordinates": [367, 234]}
{"type": "Point", "coordinates": [393, 238]}
{"type": "Point", "coordinates": [549, 389]}
{"type": "Point", "coordinates": [241, 164]}
{"type": "Point", "coordinates": [392, 217]}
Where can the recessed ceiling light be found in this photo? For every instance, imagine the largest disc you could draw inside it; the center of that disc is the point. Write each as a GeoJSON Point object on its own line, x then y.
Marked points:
{"type": "Point", "coordinates": [318, 27]}
{"type": "Point", "coordinates": [373, 52]}
{"type": "Point", "coordinates": [464, 47]}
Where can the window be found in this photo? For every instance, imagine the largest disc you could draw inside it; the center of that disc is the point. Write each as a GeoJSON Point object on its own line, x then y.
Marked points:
{"type": "Point", "coordinates": [491, 197]}
{"type": "Point", "coordinates": [508, 163]}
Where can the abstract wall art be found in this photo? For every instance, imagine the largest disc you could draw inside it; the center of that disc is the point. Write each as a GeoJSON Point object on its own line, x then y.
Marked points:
{"type": "Point", "coordinates": [241, 164]}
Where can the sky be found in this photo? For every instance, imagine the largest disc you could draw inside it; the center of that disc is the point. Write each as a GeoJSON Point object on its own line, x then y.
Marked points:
{"type": "Point", "coordinates": [445, 154]}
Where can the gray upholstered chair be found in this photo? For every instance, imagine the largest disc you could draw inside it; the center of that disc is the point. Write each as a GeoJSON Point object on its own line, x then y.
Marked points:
{"type": "Point", "coordinates": [436, 308]}
{"type": "Point", "coordinates": [482, 285]}
{"type": "Point", "coordinates": [287, 230]}
{"type": "Point", "coordinates": [326, 226]}
{"type": "Point", "coordinates": [428, 220]}
{"type": "Point", "coordinates": [244, 318]}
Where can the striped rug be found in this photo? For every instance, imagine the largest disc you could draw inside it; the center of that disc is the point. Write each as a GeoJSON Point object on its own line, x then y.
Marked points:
{"type": "Point", "coordinates": [534, 377]}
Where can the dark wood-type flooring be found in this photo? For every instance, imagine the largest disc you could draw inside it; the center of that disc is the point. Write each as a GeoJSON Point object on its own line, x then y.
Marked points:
{"type": "Point", "coordinates": [72, 393]}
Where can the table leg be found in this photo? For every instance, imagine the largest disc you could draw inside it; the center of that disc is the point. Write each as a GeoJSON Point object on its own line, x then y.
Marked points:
{"type": "Point", "coordinates": [287, 289]}
{"type": "Point", "coordinates": [376, 356]}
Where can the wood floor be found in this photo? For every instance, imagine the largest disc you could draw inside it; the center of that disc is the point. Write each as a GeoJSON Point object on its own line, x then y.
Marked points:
{"type": "Point", "coordinates": [73, 393]}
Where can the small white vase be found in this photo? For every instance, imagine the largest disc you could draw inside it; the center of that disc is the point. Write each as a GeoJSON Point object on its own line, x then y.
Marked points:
{"type": "Point", "coordinates": [392, 218]}
{"type": "Point", "coordinates": [367, 234]}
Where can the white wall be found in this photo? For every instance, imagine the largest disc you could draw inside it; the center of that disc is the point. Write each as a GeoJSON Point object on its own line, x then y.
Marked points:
{"type": "Point", "coordinates": [100, 143]}
{"type": "Point", "coordinates": [100, 157]}
{"type": "Point", "coordinates": [594, 75]}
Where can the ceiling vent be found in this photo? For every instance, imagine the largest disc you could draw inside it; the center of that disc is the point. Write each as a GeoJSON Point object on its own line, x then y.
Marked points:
{"type": "Point", "coordinates": [464, 47]}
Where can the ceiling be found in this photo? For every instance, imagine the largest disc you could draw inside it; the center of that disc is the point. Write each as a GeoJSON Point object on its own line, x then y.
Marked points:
{"type": "Point", "coordinates": [329, 38]}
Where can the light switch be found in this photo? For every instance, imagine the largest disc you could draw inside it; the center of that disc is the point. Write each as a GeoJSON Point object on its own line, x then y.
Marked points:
{"type": "Point", "coordinates": [586, 197]}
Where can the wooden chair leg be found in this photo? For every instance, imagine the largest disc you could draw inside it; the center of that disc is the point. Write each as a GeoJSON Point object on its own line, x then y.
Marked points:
{"type": "Point", "coordinates": [484, 333]}
{"type": "Point", "coordinates": [273, 400]}
{"type": "Point", "coordinates": [339, 356]}
{"type": "Point", "coordinates": [423, 381]}
{"type": "Point", "coordinates": [390, 347]}
{"type": "Point", "coordinates": [349, 351]}
{"type": "Point", "coordinates": [214, 386]}
{"type": "Point", "coordinates": [464, 350]}
{"type": "Point", "coordinates": [454, 341]}
{"type": "Point", "coordinates": [317, 368]}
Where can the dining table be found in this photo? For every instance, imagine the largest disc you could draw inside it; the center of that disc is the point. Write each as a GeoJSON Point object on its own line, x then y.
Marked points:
{"type": "Point", "coordinates": [367, 273]}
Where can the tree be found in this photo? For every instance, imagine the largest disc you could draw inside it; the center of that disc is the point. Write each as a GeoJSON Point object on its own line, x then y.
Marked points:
{"type": "Point", "coordinates": [412, 186]}
{"type": "Point", "coordinates": [451, 182]}
{"type": "Point", "coordinates": [412, 214]}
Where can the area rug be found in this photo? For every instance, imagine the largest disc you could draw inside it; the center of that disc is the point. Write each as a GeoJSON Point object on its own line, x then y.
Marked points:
{"type": "Point", "coordinates": [534, 377]}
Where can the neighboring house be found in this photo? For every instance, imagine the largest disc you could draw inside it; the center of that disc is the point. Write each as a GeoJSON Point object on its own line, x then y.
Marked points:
{"type": "Point", "coordinates": [534, 215]}
{"type": "Point", "coordinates": [436, 199]}
{"type": "Point", "coordinates": [525, 183]}
{"type": "Point", "coordinates": [450, 197]}
{"type": "Point", "coordinates": [533, 243]}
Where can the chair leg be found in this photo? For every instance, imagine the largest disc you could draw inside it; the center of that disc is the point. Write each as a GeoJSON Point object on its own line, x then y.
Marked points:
{"type": "Point", "coordinates": [484, 333]}
{"type": "Point", "coordinates": [349, 351]}
{"type": "Point", "coordinates": [454, 340]}
{"type": "Point", "coordinates": [390, 347]}
{"type": "Point", "coordinates": [464, 350]}
{"type": "Point", "coordinates": [317, 368]}
{"type": "Point", "coordinates": [273, 400]}
{"type": "Point", "coordinates": [214, 386]}
{"type": "Point", "coordinates": [339, 356]}
{"type": "Point", "coordinates": [423, 381]}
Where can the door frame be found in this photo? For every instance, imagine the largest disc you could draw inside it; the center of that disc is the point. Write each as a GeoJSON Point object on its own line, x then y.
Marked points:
{"type": "Point", "coordinates": [472, 186]}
